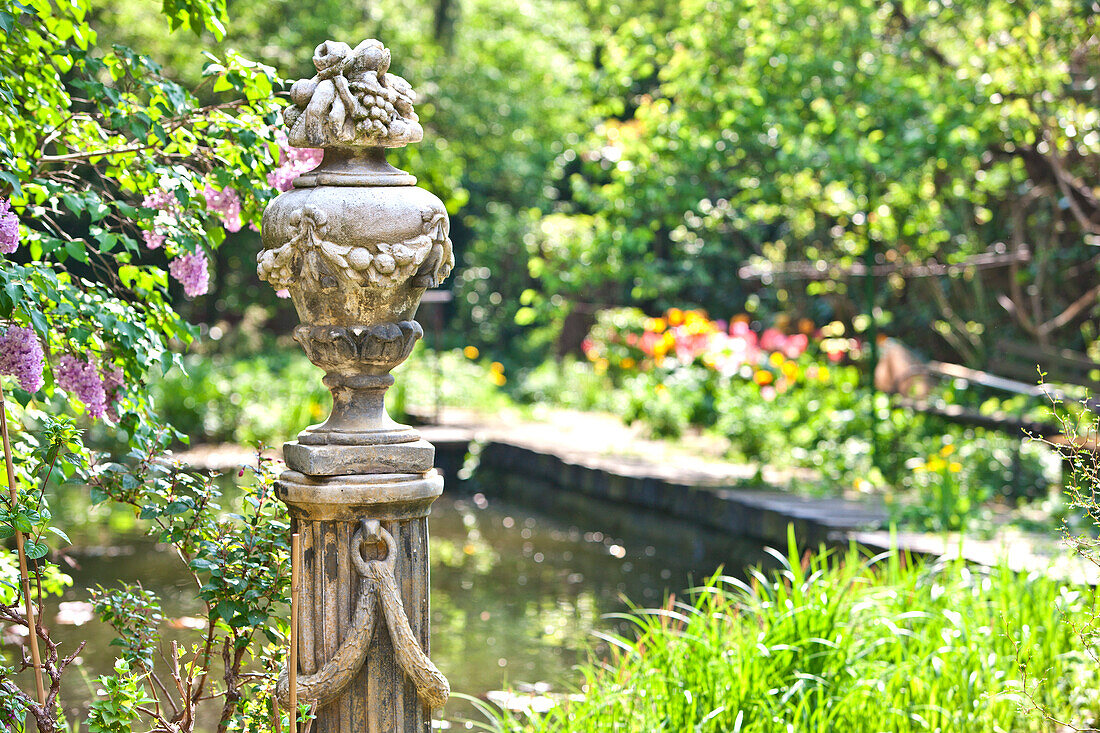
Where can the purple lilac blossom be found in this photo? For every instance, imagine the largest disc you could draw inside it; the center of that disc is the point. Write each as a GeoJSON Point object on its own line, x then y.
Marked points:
{"type": "Point", "coordinates": [168, 210]}
{"type": "Point", "coordinates": [227, 203]}
{"type": "Point", "coordinates": [81, 379]}
{"type": "Point", "coordinates": [113, 379]}
{"type": "Point", "coordinates": [190, 270]}
{"type": "Point", "coordinates": [292, 162]}
{"type": "Point", "coordinates": [21, 357]}
{"type": "Point", "coordinates": [9, 228]}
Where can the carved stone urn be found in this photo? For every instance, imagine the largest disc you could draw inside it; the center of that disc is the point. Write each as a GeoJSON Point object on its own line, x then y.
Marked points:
{"type": "Point", "coordinates": [356, 243]}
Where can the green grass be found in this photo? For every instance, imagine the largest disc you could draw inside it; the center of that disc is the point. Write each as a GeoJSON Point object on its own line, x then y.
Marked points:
{"type": "Point", "coordinates": [878, 644]}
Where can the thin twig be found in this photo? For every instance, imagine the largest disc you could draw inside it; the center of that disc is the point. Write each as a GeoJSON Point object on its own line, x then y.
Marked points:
{"type": "Point", "coordinates": [24, 575]}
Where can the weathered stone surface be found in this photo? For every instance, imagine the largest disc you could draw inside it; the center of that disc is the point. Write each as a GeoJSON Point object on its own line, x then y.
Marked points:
{"type": "Point", "coordinates": [352, 102]}
{"type": "Point", "coordinates": [347, 498]}
{"type": "Point", "coordinates": [339, 460]}
{"type": "Point", "coordinates": [356, 244]}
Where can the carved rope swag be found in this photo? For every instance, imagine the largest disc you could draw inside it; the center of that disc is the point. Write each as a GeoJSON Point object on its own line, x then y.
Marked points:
{"type": "Point", "coordinates": [377, 587]}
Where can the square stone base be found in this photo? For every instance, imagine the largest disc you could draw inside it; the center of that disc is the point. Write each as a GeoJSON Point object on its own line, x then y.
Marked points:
{"type": "Point", "coordinates": [343, 460]}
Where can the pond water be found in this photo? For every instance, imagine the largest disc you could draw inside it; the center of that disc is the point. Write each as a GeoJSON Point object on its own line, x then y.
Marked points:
{"type": "Point", "coordinates": [520, 580]}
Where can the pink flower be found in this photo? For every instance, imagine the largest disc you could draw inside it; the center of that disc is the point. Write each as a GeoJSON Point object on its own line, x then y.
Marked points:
{"type": "Point", "coordinates": [227, 204]}
{"type": "Point", "coordinates": [153, 240]}
{"type": "Point", "coordinates": [81, 379]}
{"type": "Point", "coordinates": [284, 293]}
{"type": "Point", "coordinates": [168, 211]}
{"type": "Point", "coordinates": [21, 357]}
{"type": "Point", "coordinates": [9, 229]}
{"type": "Point", "coordinates": [796, 345]}
{"type": "Point", "coordinates": [772, 339]}
{"type": "Point", "coordinates": [113, 380]}
{"type": "Point", "coordinates": [292, 163]}
{"type": "Point", "coordinates": [767, 392]}
{"type": "Point", "coordinates": [190, 270]}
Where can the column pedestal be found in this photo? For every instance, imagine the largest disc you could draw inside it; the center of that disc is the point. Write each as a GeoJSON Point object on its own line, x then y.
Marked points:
{"type": "Point", "coordinates": [332, 515]}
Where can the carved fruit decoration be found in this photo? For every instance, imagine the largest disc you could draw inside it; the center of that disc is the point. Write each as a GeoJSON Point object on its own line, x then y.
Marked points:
{"type": "Point", "coordinates": [355, 242]}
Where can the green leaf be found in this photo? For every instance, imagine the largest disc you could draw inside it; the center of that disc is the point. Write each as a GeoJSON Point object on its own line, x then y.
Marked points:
{"type": "Point", "coordinates": [35, 550]}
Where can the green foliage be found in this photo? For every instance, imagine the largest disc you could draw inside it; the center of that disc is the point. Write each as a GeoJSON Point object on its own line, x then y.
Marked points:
{"type": "Point", "coordinates": [830, 643]}
{"type": "Point", "coordinates": [99, 152]}
{"type": "Point", "coordinates": [118, 710]}
{"type": "Point", "coordinates": [238, 555]}
{"type": "Point", "coordinates": [798, 131]}
{"type": "Point", "coordinates": [134, 614]}
{"type": "Point", "coordinates": [220, 399]}
{"type": "Point", "coordinates": [86, 135]}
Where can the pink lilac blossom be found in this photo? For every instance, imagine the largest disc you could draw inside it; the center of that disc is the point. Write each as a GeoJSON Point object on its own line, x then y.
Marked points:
{"type": "Point", "coordinates": [81, 379]}
{"type": "Point", "coordinates": [228, 205]}
{"type": "Point", "coordinates": [190, 270]}
{"type": "Point", "coordinates": [9, 228]}
{"type": "Point", "coordinates": [113, 378]}
{"type": "Point", "coordinates": [292, 162]}
{"type": "Point", "coordinates": [284, 293]}
{"type": "Point", "coordinates": [168, 210]}
{"type": "Point", "coordinates": [21, 357]}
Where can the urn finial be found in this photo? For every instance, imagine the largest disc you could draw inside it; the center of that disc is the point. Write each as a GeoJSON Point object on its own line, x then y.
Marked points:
{"type": "Point", "coordinates": [352, 101]}
{"type": "Point", "coordinates": [355, 244]}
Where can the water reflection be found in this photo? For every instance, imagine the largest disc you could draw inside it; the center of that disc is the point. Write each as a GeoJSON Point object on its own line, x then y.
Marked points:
{"type": "Point", "coordinates": [519, 580]}
{"type": "Point", "coordinates": [517, 591]}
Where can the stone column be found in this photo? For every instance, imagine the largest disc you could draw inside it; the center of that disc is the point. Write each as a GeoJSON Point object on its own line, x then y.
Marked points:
{"type": "Point", "coordinates": [356, 243]}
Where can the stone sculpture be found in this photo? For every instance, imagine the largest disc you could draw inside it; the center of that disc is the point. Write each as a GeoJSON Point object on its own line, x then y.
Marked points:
{"type": "Point", "coordinates": [356, 243]}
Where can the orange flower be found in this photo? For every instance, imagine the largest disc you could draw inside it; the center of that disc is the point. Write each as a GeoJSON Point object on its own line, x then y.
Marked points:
{"type": "Point", "coordinates": [497, 378]}
{"type": "Point", "coordinates": [763, 377]}
{"type": "Point", "coordinates": [675, 316]}
{"type": "Point", "coordinates": [627, 363]}
{"type": "Point", "coordinates": [471, 352]}
{"type": "Point", "coordinates": [806, 326]}
{"type": "Point", "coordinates": [497, 367]}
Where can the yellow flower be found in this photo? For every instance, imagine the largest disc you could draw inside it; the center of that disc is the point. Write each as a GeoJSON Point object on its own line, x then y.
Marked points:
{"type": "Point", "coordinates": [655, 325]}
{"type": "Point", "coordinates": [935, 463]}
{"type": "Point", "coordinates": [497, 367]}
{"type": "Point", "coordinates": [776, 359]}
{"type": "Point", "coordinates": [471, 352]}
{"type": "Point", "coordinates": [675, 316]}
{"type": "Point", "coordinates": [823, 374]}
{"type": "Point", "coordinates": [763, 377]}
{"type": "Point", "coordinates": [954, 467]}
{"type": "Point", "coordinates": [627, 363]}
{"type": "Point", "coordinates": [660, 388]}
{"type": "Point", "coordinates": [947, 450]}
{"type": "Point", "coordinates": [790, 370]}
{"type": "Point", "coordinates": [601, 365]}
{"type": "Point", "coordinates": [497, 378]}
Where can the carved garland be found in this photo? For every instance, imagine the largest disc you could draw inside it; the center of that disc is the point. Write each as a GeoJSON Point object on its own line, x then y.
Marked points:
{"type": "Point", "coordinates": [309, 257]}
